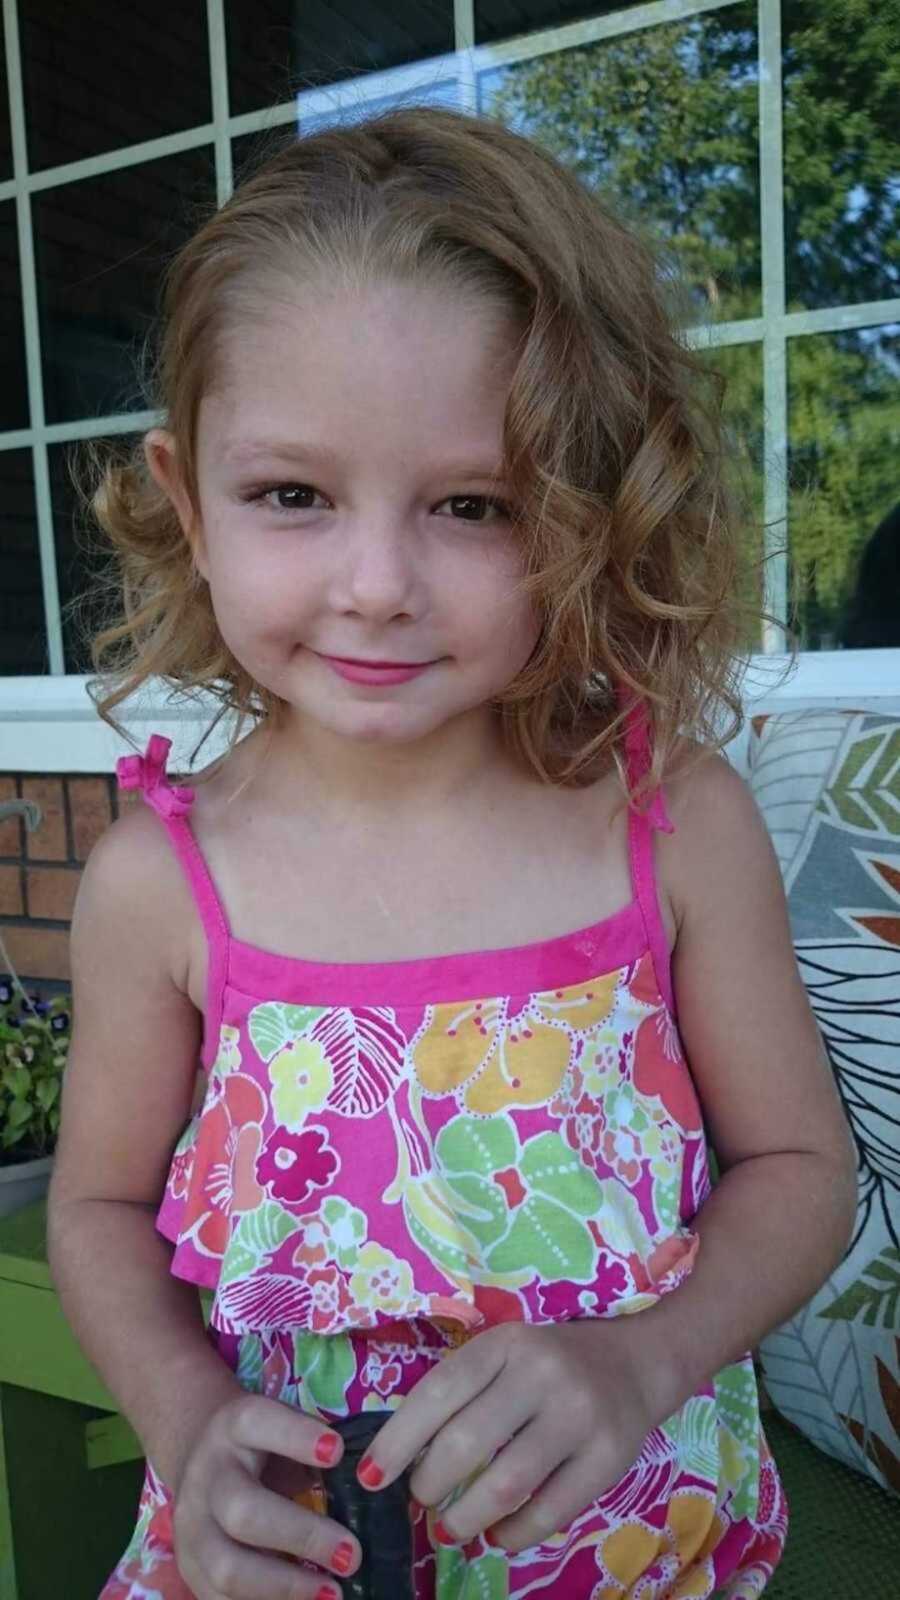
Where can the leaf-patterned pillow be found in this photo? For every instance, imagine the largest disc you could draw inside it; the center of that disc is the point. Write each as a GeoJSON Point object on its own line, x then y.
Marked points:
{"type": "Point", "coordinates": [828, 786]}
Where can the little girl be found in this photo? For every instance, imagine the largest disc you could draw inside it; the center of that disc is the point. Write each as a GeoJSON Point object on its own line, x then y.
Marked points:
{"type": "Point", "coordinates": [436, 506]}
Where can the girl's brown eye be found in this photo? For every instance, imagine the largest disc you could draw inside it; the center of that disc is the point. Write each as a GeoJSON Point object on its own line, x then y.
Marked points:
{"type": "Point", "coordinates": [475, 507]}
{"type": "Point", "coordinates": [293, 496]}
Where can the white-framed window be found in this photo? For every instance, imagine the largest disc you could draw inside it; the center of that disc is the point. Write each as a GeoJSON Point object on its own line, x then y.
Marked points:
{"type": "Point", "coordinates": [723, 124]}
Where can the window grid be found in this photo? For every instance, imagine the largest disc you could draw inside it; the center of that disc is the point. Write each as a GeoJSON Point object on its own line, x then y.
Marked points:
{"type": "Point", "coordinates": [772, 329]}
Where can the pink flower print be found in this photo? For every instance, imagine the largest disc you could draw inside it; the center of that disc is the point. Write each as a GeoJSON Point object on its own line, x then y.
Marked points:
{"type": "Point", "coordinates": [293, 1164]}
{"type": "Point", "coordinates": [673, 1259]}
{"type": "Point", "coordinates": [276, 1373]}
{"type": "Point", "coordinates": [562, 1301]}
{"type": "Point", "coordinates": [180, 1170]}
{"type": "Point", "coordinates": [621, 1150]}
{"type": "Point", "coordinates": [330, 1298]}
{"type": "Point", "coordinates": [498, 1305]}
{"type": "Point", "coordinates": [583, 1127]}
{"type": "Point", "coordinates": [382, 1374]}
{"type": "Point", "coordinates": [152, 1571]}
{"type": "Point", "coordinates": [313, 1248]}
{"type": "Point", "coordinates": [660, 1070]}
{"type": "Point", "coordinates": [225, 1150]}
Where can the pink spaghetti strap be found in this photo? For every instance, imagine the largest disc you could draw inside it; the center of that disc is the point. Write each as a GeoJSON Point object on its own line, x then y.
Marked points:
{"type": "Point", "coordinates": [641, 827]}
{"type": "Point", "coordinates": [172, 804]}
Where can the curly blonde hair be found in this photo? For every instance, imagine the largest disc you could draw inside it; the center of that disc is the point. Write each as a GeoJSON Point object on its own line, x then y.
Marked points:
{"type": "Point", "coordinates": [613, 440]}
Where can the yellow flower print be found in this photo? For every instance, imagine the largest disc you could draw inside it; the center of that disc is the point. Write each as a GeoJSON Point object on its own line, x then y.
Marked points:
{"type": "Point", "coordinates": [301, 1081]}
{"type": "Point", "coordinates": [381, 1280]}
{"type": "Point", "coordinates": [500, 1056]}
{"type": "Point", "coordinates": [630, 1550]}
{"type": "Point", "coordinates": [693, 1530]}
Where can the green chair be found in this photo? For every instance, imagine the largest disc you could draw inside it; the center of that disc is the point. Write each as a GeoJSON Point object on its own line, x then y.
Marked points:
{"type": "Point", "coordinates": [70, 1467]}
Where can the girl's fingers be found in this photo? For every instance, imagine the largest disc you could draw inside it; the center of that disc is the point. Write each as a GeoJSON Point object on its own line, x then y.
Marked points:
{"type": "Point", "coordinates": [271, 1426]}
{"type": "Point", "coordinates": [470, 1439]}
{"type": "Point", "coordinates": [514, 1476]}
{"type": "Point", "coordinates": [456, 1380]}
{"type": "Point", "coordinates": [553, 1506]}
{"type": "Point", "coordinates": [252, 1515]}
{"type": "Point", "coordinates": [240, 1574]}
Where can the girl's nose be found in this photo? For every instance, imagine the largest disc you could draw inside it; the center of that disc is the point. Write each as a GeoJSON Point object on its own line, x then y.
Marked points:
{"type": "Point", "coordinates": [379, 576]}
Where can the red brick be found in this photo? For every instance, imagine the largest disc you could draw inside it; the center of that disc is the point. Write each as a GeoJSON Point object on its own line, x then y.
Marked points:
{"type": "Point", "coordinates": [48, 842]}
{"type": "Point", "coordinates": [52, 891]}
{"type": "Point", "coordinates": [11, 828]}
{"type": "Point", "coordinates": [38, 952]}
{"type": "Point", "coordinates": [91, 813]}
{"type": "Point", "coordinates": [11, 902]}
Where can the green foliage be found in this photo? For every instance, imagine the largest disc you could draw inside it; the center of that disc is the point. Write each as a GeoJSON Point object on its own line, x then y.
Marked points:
{"type": "Point", "coordinates": [665, 123]}
{"type": "Point", "coordinates": [34, 1046]}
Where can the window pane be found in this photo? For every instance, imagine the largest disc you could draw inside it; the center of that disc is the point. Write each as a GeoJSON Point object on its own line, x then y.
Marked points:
{"type": "Point", "coordinates": [844, 435]}
{"type": "Point", "coordinates": [23, 637]}
{"type": "Point", "coordinates": [97, 76]}
{"type": "Point", "coordinates": [82, 555]}
{"type": "Point", "coordinates": [277, 48]}
{"type": "Point", "coordinates": [249, 150]}
{"type": "Point", "coordinates": [503, 19]}
{"type": "Point", "coordinates": [841, 153]}
{"type": "Point", "coordinates": [5, 141]}
{"type": "Point", "coordinates": [741, 365]}
{"type": "Point", "coordinates": [101, 245]}
{"type": "Point", "coordinates": [665, 122]}
{"type": "Point", "coordinates": [13, 383]}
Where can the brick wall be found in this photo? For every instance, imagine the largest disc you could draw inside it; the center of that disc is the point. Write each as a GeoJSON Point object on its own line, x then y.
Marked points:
{"type": "Point", "coordinates": [39, 871]}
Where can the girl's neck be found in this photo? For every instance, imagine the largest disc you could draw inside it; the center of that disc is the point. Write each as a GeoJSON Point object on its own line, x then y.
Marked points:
{"type": "Point", "coordinates": [379, 784]}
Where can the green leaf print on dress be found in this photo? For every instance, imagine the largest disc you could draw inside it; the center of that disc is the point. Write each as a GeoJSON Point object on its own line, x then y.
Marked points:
{"type": "Point", "coordinates": [524, 1204]}
{"type": "Point", "coordinates": [258, 1234]}
{"type": "Point", "coordinates": [485, 1578]}
{"type": "Point", "coordinates": [326, 1364]}
{"type": "Point", "coordinates": [273, 1026]}
{"type": "Point", "coordinates": [737, 1403]}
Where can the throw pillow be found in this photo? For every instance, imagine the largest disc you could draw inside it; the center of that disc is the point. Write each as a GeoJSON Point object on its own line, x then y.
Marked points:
{"type": "Point", "coordinates": [828, 785]}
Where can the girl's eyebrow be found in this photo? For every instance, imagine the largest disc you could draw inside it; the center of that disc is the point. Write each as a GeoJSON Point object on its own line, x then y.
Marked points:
{"type": "Point", "coordinates": [244, 452]}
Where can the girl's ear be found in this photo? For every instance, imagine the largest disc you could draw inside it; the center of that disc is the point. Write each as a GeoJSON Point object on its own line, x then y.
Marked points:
{"type": "Point", "coordinates": [162, 462]}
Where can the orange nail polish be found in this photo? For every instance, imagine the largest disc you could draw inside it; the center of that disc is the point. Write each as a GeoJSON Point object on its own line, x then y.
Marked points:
{"type": "Point", "coordinates": [326, 1449]}
{"type": "Point", "coordinates": [490, 1537]}
{"type": "Point", "coordinates": [325, 1593]}
{"type": "Point", "coordinates": [369, 1473]}
{"type": "Point", "coordinates": [443, 1535]}
{"type": "Point", "coordinates": [342, 1558]}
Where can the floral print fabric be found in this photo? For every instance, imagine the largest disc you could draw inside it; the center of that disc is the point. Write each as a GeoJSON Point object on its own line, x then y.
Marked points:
{"type": "Point", "coordinates": [365, 1185]}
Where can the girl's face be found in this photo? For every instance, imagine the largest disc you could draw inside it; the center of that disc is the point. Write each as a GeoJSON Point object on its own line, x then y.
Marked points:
{"type": "Point", "coordinates": [352, 525]}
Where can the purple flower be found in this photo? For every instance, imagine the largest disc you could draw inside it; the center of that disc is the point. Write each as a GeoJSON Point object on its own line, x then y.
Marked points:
{"type": "Point", "coordinates": [60, 1022]}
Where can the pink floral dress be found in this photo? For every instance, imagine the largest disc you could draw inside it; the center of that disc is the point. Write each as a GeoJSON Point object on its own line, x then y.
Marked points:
{"type": "Point", "coordinates": [393, 1156]}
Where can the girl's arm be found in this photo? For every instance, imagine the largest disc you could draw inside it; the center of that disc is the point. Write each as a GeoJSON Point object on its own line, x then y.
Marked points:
{"type": "Point", "coordinates": [127, 1095]}
{"type": "Point", "coordinates": [233, 1461]}
{"type": "Point", "coordinates": [782, 1213]}
{"type": "Point", "coordinates": [561, 1411]}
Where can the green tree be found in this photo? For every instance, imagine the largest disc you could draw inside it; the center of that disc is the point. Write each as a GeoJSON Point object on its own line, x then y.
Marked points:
{"type": "Point", "coordinates": [665, 123]}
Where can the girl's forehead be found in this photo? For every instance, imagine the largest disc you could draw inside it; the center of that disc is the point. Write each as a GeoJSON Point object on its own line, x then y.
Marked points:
{"type": "Point", "coordinates": [378, 365]}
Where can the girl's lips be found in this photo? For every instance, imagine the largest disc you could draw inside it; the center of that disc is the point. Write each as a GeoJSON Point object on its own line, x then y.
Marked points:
{"type": "Point", "coordinates": [375, 672]}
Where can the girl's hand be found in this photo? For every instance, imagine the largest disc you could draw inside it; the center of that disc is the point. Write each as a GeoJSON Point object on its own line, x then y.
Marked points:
{"type": "Point", "coordinates": [564, 1406]}
{"type": "Point", "coordinates": [233, 1507]}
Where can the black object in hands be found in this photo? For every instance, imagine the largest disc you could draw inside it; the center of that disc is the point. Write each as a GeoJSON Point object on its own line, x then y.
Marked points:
{"type": "Point", "coordinates": [378, 1517]}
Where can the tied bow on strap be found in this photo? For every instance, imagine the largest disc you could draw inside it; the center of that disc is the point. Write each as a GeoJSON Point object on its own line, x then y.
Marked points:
{"type": "Point", "coordinates": [148, 772]}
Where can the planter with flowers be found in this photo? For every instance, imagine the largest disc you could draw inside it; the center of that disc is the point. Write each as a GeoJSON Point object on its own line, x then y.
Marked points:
{"type": "Point", "coordinates": [34, 1046]}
